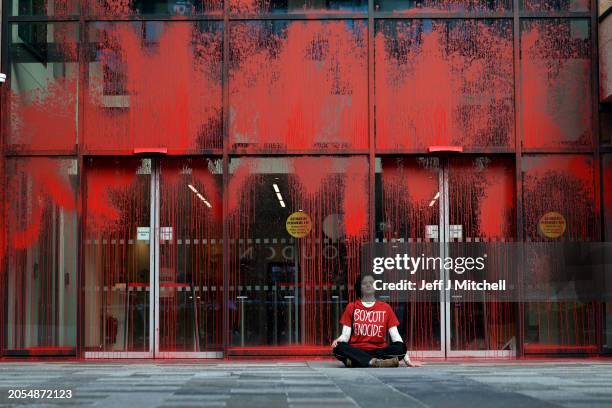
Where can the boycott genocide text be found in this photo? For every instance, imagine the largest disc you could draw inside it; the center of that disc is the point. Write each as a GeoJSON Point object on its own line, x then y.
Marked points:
{"type": "Point", "coordinates": [365, 322]}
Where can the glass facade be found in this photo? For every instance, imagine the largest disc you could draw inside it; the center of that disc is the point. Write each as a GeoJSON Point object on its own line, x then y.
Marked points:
{"type": "Point", "coordinates": [444, 82]}
{"type": "Point", "coordinates": [158, 155]}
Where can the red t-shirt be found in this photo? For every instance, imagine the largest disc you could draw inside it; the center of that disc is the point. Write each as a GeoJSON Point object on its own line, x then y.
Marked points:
{"type": "Point", "coordinates": [369, 325]}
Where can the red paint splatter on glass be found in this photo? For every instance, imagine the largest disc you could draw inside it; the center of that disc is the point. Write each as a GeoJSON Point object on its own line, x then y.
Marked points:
{"type": "Point", "coordinates": [117, 255]}
{"type": "Point", "coordinates": [43, 92]}
{"type": "Point", "coordinates": [311, 171]}
{"type": "Point", "coordinates": [45, 119]}
{"type": "Point", "coordinates": [47, 7]}
{"type": "Point", "coordinates": [154, 85]}
{"type": "Point", "coordinates": [298, 85]}
{"type": "Point", "coordinates": [408, 186]}
{"type": "Point", "coordinates": [444, 84]}
{"type": "Point", "coordinates": [607, 186]}
{"type": "Point", "coordinates": [547, 181]}
{"type": "Point", "coordinates": [122, 8]}
{"type": "Point", "coordinates": [50, 186]}
{"type": "Point", "coordinates": [555, 83]}
{"type": "Point", "coordinates": [554, 5]}
{"type": "Point", "coordinates": [303, 6]}
{"type": "Point", "coordinates": [41, 227]}
{"type": "Point", "coordinates": [106, 181]}
{"type": "Point", "coordinates": [441, 6]}
{"type": "Point", "coordinates": [355, 197]}
{"type": "Point", "coordinates": [563, 184]}
{"type": "Point", "coordinates": [191, 263]}
{"type": "Point", "coordinates": [481, 194]}
{"type": "Point", "coordinates": [270, 269]}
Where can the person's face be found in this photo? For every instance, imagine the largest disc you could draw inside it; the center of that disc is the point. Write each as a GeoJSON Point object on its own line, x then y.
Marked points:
{"type": "Point", "coordinates": [367, 286]}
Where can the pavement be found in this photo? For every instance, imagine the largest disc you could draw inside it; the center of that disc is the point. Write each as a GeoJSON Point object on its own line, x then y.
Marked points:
{"type": "Point", "coordinates": [315, 383]}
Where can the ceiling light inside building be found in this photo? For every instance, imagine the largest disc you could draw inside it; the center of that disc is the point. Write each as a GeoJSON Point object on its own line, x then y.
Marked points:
{"type": "Point", "coordinates": [278, 195]}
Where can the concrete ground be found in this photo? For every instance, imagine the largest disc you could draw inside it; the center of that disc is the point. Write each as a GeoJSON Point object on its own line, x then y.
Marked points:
{"type": "Point", "coordinates": [319, 383]}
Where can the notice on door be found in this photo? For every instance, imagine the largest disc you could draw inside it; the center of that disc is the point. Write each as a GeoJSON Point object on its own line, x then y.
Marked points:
{"type": "Point", "coordinates": [552, 224]}
{"type": "Point", "coordinates": [142, 234]}
{"type": "Point", "coordinates": [298, 224]}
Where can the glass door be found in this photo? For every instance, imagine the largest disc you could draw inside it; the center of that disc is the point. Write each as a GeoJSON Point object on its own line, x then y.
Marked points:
{"type": "Point", "coordinates": [118, 291]}
{"type": "Point", "coordinates": [478, 194]}
{"type": "Point", "coordinates": [408, 203]}
{"type": "Point", "coordinates": [448, 200]}
{"type": "Point", "coordinates": [296, 227]}
{"type": "Point", "coordinates": [153, 258]}
{"type": "Point", "coordinates": [189, 258]}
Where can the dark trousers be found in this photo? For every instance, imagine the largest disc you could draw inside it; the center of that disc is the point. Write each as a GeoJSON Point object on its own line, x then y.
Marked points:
{"type": "Point", "coordinates": [360, 358]}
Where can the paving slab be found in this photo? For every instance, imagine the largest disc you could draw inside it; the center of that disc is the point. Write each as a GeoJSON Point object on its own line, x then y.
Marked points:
{"type": "Point", "coordinates": [310, 383]}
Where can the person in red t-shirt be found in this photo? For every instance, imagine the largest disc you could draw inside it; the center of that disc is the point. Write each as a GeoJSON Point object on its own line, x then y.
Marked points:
{"type": "Point", "coordinates": [365, 323]}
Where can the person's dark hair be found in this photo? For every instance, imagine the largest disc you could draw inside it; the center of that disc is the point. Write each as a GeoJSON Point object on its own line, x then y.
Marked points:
{"type": "Point", "coordinates": [357, 286]}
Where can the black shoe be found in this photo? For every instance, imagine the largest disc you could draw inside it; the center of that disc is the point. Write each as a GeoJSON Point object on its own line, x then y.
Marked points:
{"type": "Point", "coordinates": [380, 363]}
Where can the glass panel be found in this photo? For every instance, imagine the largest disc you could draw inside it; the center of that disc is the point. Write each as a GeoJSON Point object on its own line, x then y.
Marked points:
{"type": "Point", "coordinates": [408, 210]}
{"type": "Point", "coordinates": [556, 83]}
{"type": "Point", "coordinates": [605, 123]}
{"type": "Point", "coordinates": [607, 200]}
{"type": "Point", "coordinates": [555, 5]}
{"type": "Point", "coordinates": [119, 8]}
{"type": "Point", "coordinates": [547, 180]}
{"type": "Point", "coordinates": [117, 270]}
{"type": "Point", "coordinates": [43, 7]}
{"type": "Point", "coordinates": [154, 85]}
{"type": "Point", "coordinates": [411, 6]}
{"type": "Point", "coordinates": [298, 85]}
{"type": "Point", "coordinates": [43, 86]}
{"type": "Point", "coordinates": [444, 82]}
{"type": "Point", "coordinates": [297, 226]}
{"type": "Point", "coordinates": [607, 194]}
{"type": "Point", "coordinates": [42, 254]}
{"type": "Point", "coordinates": [296, 6]}
{"type": "Point", "coordinates": [191, 257]}
{"type": "Point", "coordinates": [482, 208]}
{"type": "Point", "coordinates": [482, 199]}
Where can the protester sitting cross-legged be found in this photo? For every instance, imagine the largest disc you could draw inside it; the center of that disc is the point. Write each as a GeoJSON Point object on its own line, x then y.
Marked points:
{"type": "Point", "coordinates": [365, 323]}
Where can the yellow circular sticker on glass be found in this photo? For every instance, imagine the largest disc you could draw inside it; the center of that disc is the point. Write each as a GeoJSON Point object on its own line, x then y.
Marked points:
{"type": "Point", "coordinates": [298, 224]}
{"type": "Point", "coordinates": [552, 224]}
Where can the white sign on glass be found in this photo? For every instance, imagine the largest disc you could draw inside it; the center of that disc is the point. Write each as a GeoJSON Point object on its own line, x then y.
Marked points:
{"type": "Point", "coordinates": [142, 233]}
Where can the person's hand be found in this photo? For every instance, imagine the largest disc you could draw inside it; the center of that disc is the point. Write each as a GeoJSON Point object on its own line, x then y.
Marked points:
{"type": "Point", "coordinates": [410, 363]}
{"type": "Point", "coordinates": [334, 343]}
